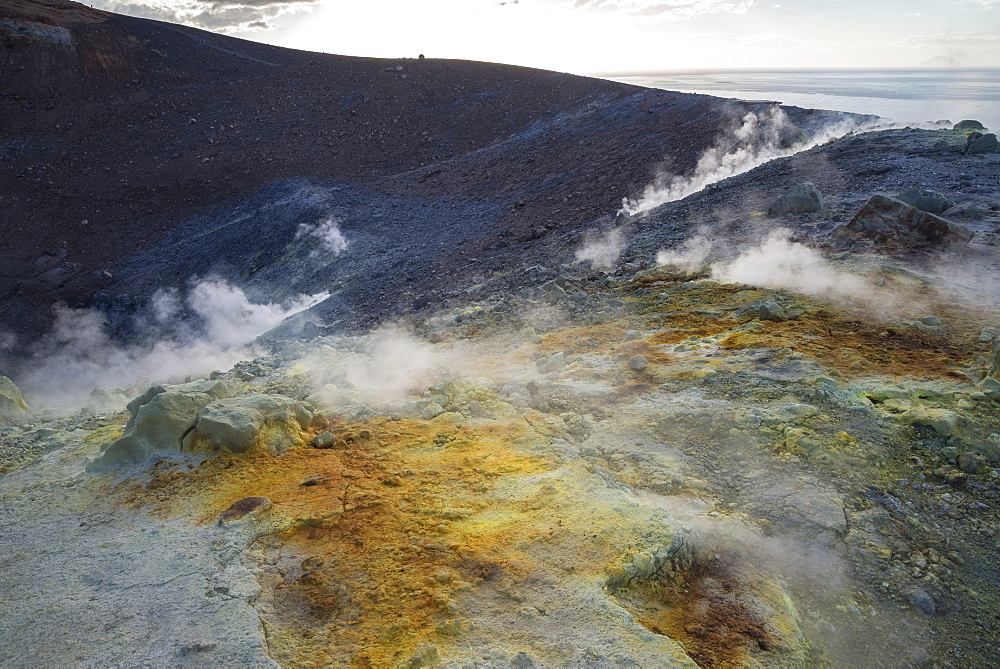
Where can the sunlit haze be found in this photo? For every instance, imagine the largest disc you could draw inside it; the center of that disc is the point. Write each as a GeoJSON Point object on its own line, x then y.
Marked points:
{"type": "Point", "coordinates": [595, 36]}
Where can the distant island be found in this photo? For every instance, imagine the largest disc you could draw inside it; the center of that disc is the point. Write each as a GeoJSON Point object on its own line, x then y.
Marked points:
{"type": "Point", "coordinates": [942, 61]}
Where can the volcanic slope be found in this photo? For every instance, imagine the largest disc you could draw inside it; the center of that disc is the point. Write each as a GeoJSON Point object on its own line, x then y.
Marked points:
{"type": "Point", "coordinates": [127, 143]}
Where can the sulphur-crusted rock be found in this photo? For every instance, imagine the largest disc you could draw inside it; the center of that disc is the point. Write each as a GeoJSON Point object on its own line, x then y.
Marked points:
{"type": "Point", "coordinates": [161, 417]}
{"type": "Point", "coordinates": [887, 219]}
{"type": "Point", "coordinates": [249, 423]}
{"type": "Point", "coordinates": [942, 421]}
{"type": "Point", "coordinates": [12, 405]}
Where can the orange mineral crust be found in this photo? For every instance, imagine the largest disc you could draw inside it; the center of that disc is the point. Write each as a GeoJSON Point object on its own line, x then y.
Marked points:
{"type": "Point", "coordinates": [371, 528]}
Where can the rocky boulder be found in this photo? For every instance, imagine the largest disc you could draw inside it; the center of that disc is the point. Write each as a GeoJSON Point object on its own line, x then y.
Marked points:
{"type": "Point", "coordinates": [803, 198]}
{"type": "Point", "coordinates": [12, 405]}
{"type": "Point", "coordinates": [969, 125]}
{"type": "Point", "coordinates": [249, 423]}
{"type": "Point", "coordinates": [977, 142]}
{"type": "Point", "coordinates": [890, 221]}
{"type": "Point", "coordinates": [926, 200]}
{"type": "Point", "coordinates": [161, 418]}
{"type": "Point", "coordinates": [994, 369]}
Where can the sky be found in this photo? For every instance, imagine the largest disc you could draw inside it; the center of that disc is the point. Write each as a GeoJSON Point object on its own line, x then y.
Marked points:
{"type": "Point", "coordinates": [610, 36]}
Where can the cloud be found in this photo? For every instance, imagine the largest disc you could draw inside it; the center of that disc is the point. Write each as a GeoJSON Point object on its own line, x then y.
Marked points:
{"type": "Point", "coordinates": [666, 9]}
{"type": "Point", "coordinates": [969, 39]}
{"type": "Point", "coordinates": [225, 16]}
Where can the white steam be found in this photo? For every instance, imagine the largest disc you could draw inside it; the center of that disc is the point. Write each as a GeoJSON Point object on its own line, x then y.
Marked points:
{"type": "Point", "coordinates": [77, 355]}
{"type": "Point", "coordinates": [758, 138]}
{"type": "Point", "coordinates": [778, 263]}
{"type": "Point", "coordinates": [232, 320]}
{"type": "Point", "coordinates": [690, 256]}
{"type": "Point", "coordinates": [386, 365]}
{"type": "Point", "coordinates": [328, 233]}
{"type": "Point", "coordinates": [603, 251]}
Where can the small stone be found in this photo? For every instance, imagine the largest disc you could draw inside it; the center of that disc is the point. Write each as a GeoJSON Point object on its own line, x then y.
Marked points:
{"type": "Point", "coordinates": [324, 440]}
{"type": "Point", "coordinates": [432, 410]}
{"type": "Point", "coordinates": [522, 661]}
{"type": "Point", "coordinates": [972, 463]}
{"type": "Point", "coordinates": [315, 480]}
{"type": "Point", "coordinates": [243, 508]}
{"type": "Point", "coordinates": [312, 563]}
{"type": "Point", "coordinates": [637, 363]}
{"type": "Point", "coordinates": [771, 311]}
{"type": "Point", "coordinates": [924, 603]}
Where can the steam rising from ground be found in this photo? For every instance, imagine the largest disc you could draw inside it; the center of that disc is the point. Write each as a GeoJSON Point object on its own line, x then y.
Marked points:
{"type": "Point", "coordinates": [78, 355]}
{"type": "Point", "coordinates": [779, 263]}
{"type": "Point", "coordinates": [757, 138]}
{"type": "Point", "coordinates": [603, 251]}
{"type": "Point", "coordinates": [387, 365]}
{"type": "Point", "coordinates": [328, 233]}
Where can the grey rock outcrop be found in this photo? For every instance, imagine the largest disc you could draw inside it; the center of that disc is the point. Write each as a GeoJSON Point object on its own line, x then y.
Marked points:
{"type": "Point", "coordinates": [969, 124]}
{"type": "Point", "coordinates": [161, 417]}
{"type": "Point", "coordinates": [977, 142]}
{"type": "Point", "coordinates": [247, 423]}
{"type": "Point", "coordinates": [887, 219]}
{"type": "Point", "coordinates": [12, 405]}
{"type": "Point", "coordinates": [926, 200]}
{"type": "Point", "coordinates": [802, 198]}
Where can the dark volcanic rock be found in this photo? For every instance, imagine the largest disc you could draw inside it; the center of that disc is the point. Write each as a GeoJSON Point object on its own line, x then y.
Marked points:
{"type": "Point", "coordinates": [926, 200]}
{"type": "Point", "coordinates": [969, 125]}
{"type": "Point", "coordinates": [800, 199]}
{"type": "Point", "coordinates": [157, 135]}
{"type": "Point", "coordinates": [244, 507]}
{"type": "Point", "coordinates": [980, 143]}
{"type": "Point", "coordinates": [891, 220]}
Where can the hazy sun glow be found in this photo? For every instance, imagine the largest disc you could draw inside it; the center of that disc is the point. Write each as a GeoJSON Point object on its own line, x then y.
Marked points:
{"type": "Point", "coordinates": [585, 36]}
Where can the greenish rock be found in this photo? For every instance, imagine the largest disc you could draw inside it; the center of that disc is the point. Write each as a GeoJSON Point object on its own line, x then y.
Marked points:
{"type": "Point", "coordinates": [769, 310]}
{"type": "Point", "coordinates": [12, 404]}
{"type": "Point", "coordinates": [431, 410]}
{"type": "Point", "coordinates": [994, 369]}
{"type": "Point", "coordinates": [161, 417]}
{"type": "Point", "coordinates": [992, 449]}
{"type": "Point", "coordinates": [800, 199]}
{"type": "Point", "coordinates": [942, 421]}
{"type": "Point", "coordinates": [971, 463]}
{"type": "Point", "coordinates": [237, 424]}
{"type": "Point", "coordinates": [637, 363]}
{"type": "Point", "coordinates": [926, 200]}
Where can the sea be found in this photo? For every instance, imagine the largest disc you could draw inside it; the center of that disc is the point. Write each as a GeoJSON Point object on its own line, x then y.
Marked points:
{"type": "Point", "coordinates": [915, 97]}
